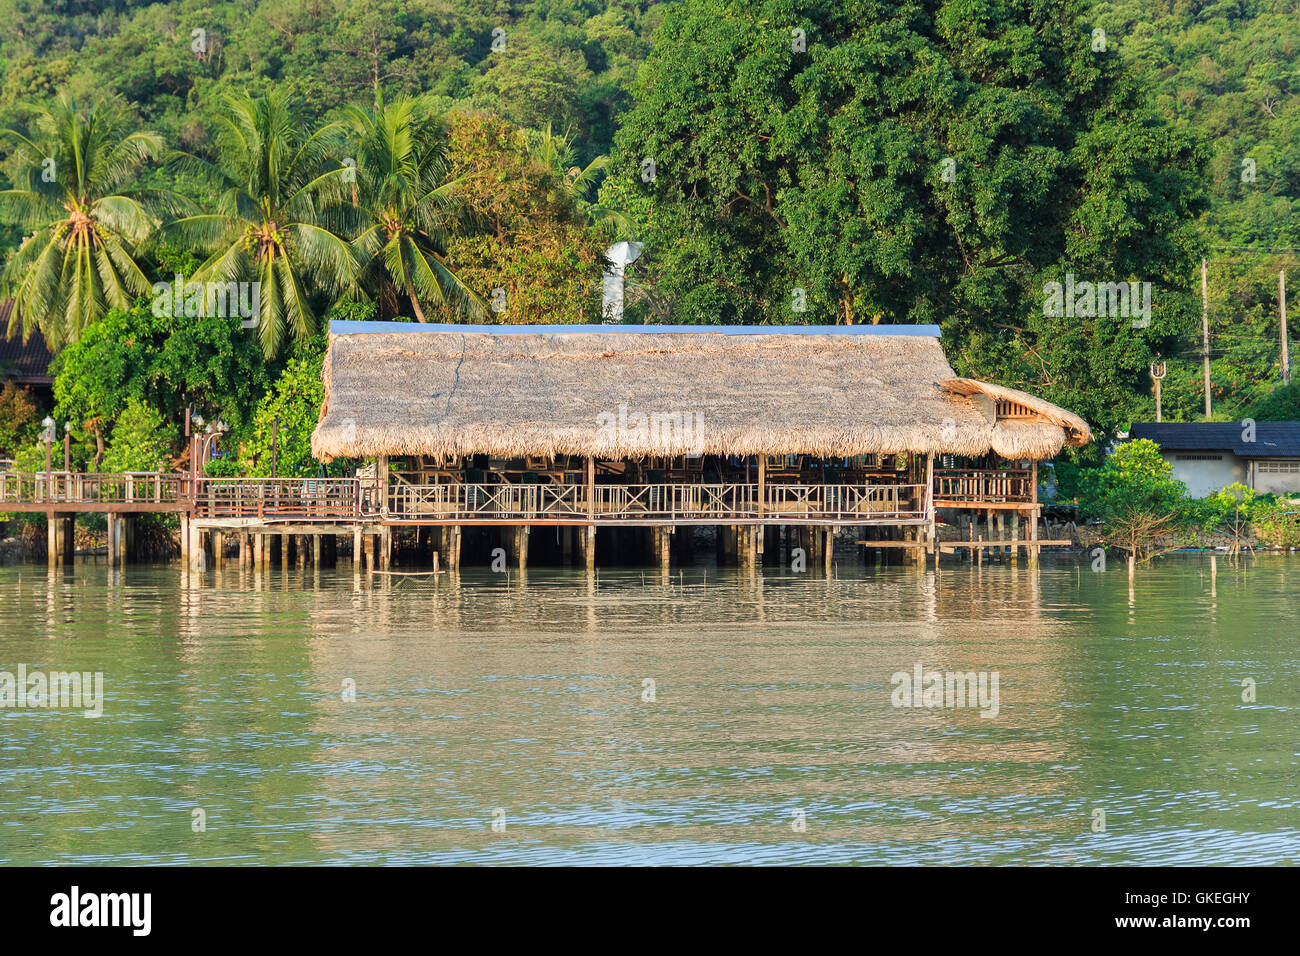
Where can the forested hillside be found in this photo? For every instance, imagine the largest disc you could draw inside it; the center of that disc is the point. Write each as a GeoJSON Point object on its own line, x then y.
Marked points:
{"type": "Point", "coordinates": [784, 161]}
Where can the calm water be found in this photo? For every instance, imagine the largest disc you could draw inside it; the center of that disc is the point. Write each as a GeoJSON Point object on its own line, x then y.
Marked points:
{"type": "Point", "coordinates": [772, 696]}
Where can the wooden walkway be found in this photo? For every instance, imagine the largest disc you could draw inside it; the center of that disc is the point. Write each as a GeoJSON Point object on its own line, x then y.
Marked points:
{"type": "Point", "coordinates": [370, 508]}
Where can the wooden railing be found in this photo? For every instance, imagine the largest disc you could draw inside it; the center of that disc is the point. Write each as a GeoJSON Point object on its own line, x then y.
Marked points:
{"type": "Point", "coordinates": [90, 489]}
{"type": "Point", "coordinates": [664, 501]}
{"type": "Point", "coordinates": [989, 485]}
{"type": "Point", "coordinates": [348, 499]}
{"type": "Point", "coordinates": [285, 498]}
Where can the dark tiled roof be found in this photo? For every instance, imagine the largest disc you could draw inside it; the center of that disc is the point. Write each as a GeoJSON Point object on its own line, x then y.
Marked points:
{"type": "Point", "coordinates": [26, 363]}
{"type": "Point", "coordinates": [1272, 439]}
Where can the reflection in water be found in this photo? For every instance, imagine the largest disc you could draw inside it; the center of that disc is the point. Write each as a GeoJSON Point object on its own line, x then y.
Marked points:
{"type": "Point", "coordinates": [477, 691]}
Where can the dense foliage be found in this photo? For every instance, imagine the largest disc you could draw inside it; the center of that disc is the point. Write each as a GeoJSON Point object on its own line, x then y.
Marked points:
{"type": "Point", "coordinates": [784, 161]}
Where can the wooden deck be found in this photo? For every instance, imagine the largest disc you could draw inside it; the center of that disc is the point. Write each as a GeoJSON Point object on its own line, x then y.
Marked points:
{"type": "Point", "coordinates": [63, 492]}
{"type": "Point", "coordinates": [248, 502]}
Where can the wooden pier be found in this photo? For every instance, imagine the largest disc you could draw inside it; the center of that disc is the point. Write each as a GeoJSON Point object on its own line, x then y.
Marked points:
{"type": "Point", "coordinates": [295, 515]}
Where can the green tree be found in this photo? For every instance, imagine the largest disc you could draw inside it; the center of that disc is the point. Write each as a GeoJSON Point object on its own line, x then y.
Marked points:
{"type": "Point", "coordinates": [408, 208]}
{"type": "Point", "coordinates": [816, 161]}
{"type": "Point", "coordinates": [1136, 497]}
{"type": "Point", "coordinates": [275, 215]}
{"type": "Point", "coordinates": [166, 362]}
{"type": "Point", "coordinates": [142, 440]}
{"type": "Point", "coordinates": [532, 256]}
{"type": "Point", "coordinates": [72, 172]}
{"type": "Point", "coordinates": [19, 419]}
{"type": "Point", "coordinates": [557, 155]}
{"type": "Point", "coordinates": [280, 438]}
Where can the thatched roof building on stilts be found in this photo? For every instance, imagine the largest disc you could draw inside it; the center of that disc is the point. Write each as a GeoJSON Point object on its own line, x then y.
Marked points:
{"type": "Point", "coordinates": [451, 390]}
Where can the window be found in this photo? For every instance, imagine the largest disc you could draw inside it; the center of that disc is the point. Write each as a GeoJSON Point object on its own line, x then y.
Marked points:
{"type": "Point", "coordinates": [1198, 458]}
{"type": "Point", "coordinates": [1014, 410]}
{"type": "Point", "coordinates": [1277, 467]}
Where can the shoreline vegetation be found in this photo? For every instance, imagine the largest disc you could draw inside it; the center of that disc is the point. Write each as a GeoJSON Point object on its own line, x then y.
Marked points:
{"type": "Point", "coordinates": [402, 161]}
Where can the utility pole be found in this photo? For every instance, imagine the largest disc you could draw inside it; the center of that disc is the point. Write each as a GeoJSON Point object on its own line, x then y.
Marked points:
{"type": "Point", "coordinates": [1286, 348]}
{"type": "Point", "coordinates": [1157, 373]}
{"type": "Point", "coordinates": [1205, 331]}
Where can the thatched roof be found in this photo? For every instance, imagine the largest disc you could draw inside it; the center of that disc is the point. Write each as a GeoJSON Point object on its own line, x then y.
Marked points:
{"type": "Point", "coordinates": [521, 390]}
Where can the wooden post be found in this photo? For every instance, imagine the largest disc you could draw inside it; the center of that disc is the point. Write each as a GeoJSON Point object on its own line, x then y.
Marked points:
{"type": "Point", "coordinates": [197, 556]}
{"type": "Point", "coordinates": [110, 520]}
{"type": "Point", "coordinates": [243, 550]}
{"type": "Point", "coordinates": [521, 546]}
{"type": "Point", "coordinates": [185, 540]}
{"type": "Point", "coordinates": [588, 547]}
{"type": "Point", "coordinates": [931, 524]}
{"type": "Point", "coordinates": [828, 548]}
{"type": "Point", "coordinates": [356, 546]}
{"type": "Point", "coordinates": [218, 549]}
{"type": "Point", "coordinates": [1033, 531]}
{"type": "Point", "coordinates": [52, 539]}
{"type": "Point", "coordinates": [1286, 346]}
{"type": "Point", "coordinates": [1205, 332]}
{"type": "Point", "coordinates": [591, 488]}
{"type": "Point", "coordinates": [762, 485]}
{"type": "Point", "coordinates": [315, 552]}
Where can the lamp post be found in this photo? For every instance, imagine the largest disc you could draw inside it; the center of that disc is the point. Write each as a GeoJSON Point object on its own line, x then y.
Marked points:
{"type": "Point", "coordinates": [47, 436]}
{"type": "Point", "coordinates": [67, 446]}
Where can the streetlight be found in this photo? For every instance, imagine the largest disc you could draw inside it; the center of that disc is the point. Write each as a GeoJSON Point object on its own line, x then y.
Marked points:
{"type": "Point", "coordinates": [47, 436]}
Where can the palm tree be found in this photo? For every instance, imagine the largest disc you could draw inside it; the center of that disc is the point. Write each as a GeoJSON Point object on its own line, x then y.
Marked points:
{"type": "Point", "coordinates": [408, 209]}
{"type": "Point", "coordinates": [278, 214]}
{"type": "Point", "coordinates": [557, 156]}
{"type": "Point", "coordinates": [71, 173]}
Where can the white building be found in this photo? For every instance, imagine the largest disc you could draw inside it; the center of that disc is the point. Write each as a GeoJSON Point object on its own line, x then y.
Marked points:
{"type": "Point", "coordinates": [1209, 456]}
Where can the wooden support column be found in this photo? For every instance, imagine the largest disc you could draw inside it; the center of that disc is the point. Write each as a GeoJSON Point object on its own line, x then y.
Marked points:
{"type": "Point", "coordinates": [110, 520]}
{"type": "Point", "coordinates": [587, 545]}
{"type": "Point", "coordinates": [591, 488]}
{"type": "Point", "coordinates": [370, 552]}
{"type": "Point", "coordinates": [315, 552]}
{"type": "Point", "coordinates": [663, 547]}
{"type": "Point", "coordinates": [185, 540]}
{"type": "Point", "coordinates": [521, 546]}
{"type": "Point", "coordinates": [52, 538]}
{"type": "Point", "coordinates": [385, 534]}
{"type": "Point", "coordinates": [197, 557]}
{"type": "Point", "coordinates": [828, 548]}
{"type": "Point", "coordinates": [931, 524]}
{"type": "Point", "coordinates": [218, 549]}
{"type": "Point", "coordinates": [356, 546]}
{"type": "Point", "coordinates": [1033, 528]}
